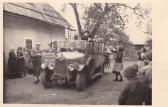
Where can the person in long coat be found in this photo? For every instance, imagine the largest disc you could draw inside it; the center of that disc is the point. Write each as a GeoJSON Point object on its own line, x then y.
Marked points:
{"type": "Point", "coordinates": [26, 58]}
{"type": "Point", "coordinates": [29, 62]}
{"type": "Point", "coordinates": [12, 63]}
{"type": "Point", "coordinates": [20, 62]}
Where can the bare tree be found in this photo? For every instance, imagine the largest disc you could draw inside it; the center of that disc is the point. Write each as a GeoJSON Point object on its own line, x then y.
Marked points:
{"type": "Point", "coordinates": [100, 14]}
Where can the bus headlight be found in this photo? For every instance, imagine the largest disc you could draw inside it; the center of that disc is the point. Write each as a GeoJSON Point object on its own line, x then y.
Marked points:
{"type": "Point", "coordinates": [71, 67]}
{"type": "Point", "coordinates": [43, 66]}
{"type": "Point", "coordinates": [51, 66]}
{"type": "Point", "coordinates": [81, 67]}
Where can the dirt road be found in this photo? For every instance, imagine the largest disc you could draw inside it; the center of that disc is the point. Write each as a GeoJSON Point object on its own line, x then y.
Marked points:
{"type": "Point", "coordinates": [101, 91]}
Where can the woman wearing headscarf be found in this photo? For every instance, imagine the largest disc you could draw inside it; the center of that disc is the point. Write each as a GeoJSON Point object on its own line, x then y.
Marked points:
{"type": "Point", "coordinates": [12, 63]}
{"type": "Point", "coordinates": [20, 61]}
{"type": "Point", "coordinates": [118, 66]}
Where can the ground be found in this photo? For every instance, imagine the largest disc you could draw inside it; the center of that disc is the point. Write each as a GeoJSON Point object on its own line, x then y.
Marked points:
{"type": "Point", "coordinates": [102, 91]}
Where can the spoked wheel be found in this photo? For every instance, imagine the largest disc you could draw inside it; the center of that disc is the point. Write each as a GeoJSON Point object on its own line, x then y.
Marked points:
{"type": "Point", "coordinates": [80, 81]}
{"type": "Point", "coordinates": [46, 79]}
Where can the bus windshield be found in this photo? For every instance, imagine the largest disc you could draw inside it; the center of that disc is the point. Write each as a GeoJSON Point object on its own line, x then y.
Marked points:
{"type": "Point", "coordinates": [75, 45]}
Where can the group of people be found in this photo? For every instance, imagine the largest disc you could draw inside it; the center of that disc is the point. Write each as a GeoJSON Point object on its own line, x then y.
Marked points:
{"type": "Point", "coordinates": [138, 88]}
{"type": "Point", "coordinates": [16, 63]}
{"type": "Point", "coordinates": [21, 60]}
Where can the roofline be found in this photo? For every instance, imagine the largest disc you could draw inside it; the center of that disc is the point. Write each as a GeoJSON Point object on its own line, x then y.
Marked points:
{"type": "Point", "coordinates": [39, 20]}
{"type": "Point", "coordinates": [70, 29]}
{"type": "Point", "coordinates": [37, 11]}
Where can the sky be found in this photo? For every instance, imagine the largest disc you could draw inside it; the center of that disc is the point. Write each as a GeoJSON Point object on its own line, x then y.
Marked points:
{"type": "Point", "coordinates": [136, 35]}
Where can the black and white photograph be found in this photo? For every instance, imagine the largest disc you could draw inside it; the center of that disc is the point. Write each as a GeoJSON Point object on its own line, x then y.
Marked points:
{"type": "Point", "coordinates": [77, 53]}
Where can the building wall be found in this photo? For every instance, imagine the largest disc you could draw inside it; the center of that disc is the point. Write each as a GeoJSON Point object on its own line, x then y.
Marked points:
{"type": "Point", "coordinates": [18, 28]}
{"type": "Point", "coordinates": [138, 47]}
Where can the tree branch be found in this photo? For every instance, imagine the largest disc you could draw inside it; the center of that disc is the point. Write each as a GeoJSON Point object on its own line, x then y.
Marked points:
{"type": "Point", "coordinates": [106, 10]}
{"type": "Point", "coordinates": [96, 4]}
{"type": "Point", "coordinates": [119, 17]}
{"type": "Point", "coordinates": [131, 8]}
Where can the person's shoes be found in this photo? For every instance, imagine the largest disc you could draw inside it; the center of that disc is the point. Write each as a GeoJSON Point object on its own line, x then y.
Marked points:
{"type": "Point", "coordinates": [24, 74]}
{"type": "Point", "coordinates": [20, 76]}
{"type": "Point", "coordinates": [115, 80]}
{"type": "Point", "coordinates": [38, 80]}
{"type": "Point", "coordinates": [35, 82]}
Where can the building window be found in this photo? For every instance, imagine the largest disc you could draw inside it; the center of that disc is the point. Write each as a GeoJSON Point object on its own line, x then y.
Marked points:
{"type": "Point", "coordinates": [28, 43]}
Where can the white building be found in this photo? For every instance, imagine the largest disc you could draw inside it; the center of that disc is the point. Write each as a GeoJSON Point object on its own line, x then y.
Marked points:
{"type": "Point", "coordinates": [25, 24]}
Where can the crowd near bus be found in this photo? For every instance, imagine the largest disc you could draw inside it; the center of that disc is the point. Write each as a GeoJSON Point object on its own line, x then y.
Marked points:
{"type": "Point", "coordinates": [137, 90]}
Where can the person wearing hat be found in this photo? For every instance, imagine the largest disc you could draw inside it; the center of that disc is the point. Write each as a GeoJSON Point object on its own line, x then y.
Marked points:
{"type": "Point", "coordinates": [133, 92]}
{"type": "Point", "coordinates": [118, 66]}
{"type": "Point", "coordinates": [36, 61]}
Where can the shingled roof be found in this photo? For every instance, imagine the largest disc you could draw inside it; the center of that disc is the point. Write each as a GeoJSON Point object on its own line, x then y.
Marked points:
{"type": "Point", "coordinates": [40, 11]}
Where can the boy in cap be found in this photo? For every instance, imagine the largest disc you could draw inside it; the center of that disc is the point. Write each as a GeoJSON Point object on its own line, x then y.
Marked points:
{"type": "Point", "coordinates": [133, 92]}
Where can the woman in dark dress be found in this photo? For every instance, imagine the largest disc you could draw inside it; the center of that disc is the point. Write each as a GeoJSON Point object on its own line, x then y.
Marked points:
{"type": "Point", "coordinates": [12, 64]}
{"type": "Point", "coordinates": [118, 66]}
{"type": "Point", "coordinates": [20, 62]}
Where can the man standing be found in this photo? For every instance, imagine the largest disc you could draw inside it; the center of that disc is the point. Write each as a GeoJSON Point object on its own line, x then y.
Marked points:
{"type": "Point", "coordinates": [36, 61]}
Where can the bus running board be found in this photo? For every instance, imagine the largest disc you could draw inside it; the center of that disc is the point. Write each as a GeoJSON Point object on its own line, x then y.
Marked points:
{"type": "Point", "coordinates": [96, 75]}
